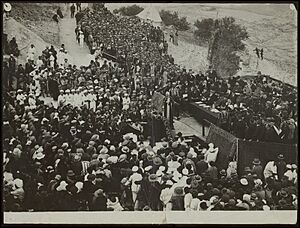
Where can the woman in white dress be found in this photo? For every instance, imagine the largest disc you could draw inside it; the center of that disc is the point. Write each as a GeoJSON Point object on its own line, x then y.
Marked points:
{"type": "Point", "coordinates": [81, 38]}
{"type": "Point", "coordinates": [93, 100]}
{"type": "Point", "coordinates": [126, 102]}
{"type": "Point", "coordinates": [52, 60]}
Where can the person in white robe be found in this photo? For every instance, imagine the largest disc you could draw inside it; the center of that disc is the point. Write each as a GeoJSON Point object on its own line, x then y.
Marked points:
{"type": "Point", "coordinates": [61, 99]}
{"type": "Point", "coordinates": [126, 101]}
{"type": "Point", "coordinates": [31, 53]}
{"type": "Point", "coordinates": [81, 38]}
{"type": "Point", "coordinates": [92, 98]}
{"type": "Point", "coordinates": [52, 60]}
{"type": "Point", "coordinates": [31, 101]}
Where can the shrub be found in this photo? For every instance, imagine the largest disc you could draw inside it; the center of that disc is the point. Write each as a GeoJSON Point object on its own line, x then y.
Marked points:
{"type": "Point", "coordinates": [129, 10]}
{"type": "Point", "coordinates": [172, 18]}
{"type": "Point", "coordinates": [225, 39]}
{"type": "Point", "coordinates": [204, 29]}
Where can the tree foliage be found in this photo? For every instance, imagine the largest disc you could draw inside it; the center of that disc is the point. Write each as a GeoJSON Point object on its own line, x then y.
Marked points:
{"type": "Point", "coordinates": [204, 29]}
{"type": "Point", "coordinates": [225, 39]}
{"type": "Point", "coordinates": [129, 10]}
{"type": "Point", "coordinates": [172, 18]}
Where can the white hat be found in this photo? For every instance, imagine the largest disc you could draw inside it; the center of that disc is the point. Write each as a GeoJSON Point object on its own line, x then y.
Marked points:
{"type": "Point", "coordinates": [67, 91]}
{"type": "Point", "coordinates": [79, 186]}
{"type": "Point", "coordinates": [18, 183]}
{"type": "Point", "coordinates": [8, 176]}
{"type": "Point", "coordinates": [159, 173]}
{"type": "Point", "coordinates": [294, 166]}
{"type": "Point", "coordinates": [62, 186]}
{"type": "Point", "coordinates": [185, 171]}
{"type": "Point", "coordinates": [258, 182]}
{"type": "Point", "coordinates": [289, 166]}
{"type": "Point", "coordinates": [134, 151]}
{"type": "Point", "coordinates": [162, 168]}
{"type": "Point", "coordinates": [244, 181]}
{"type": "Point", "coordinates": [135, 169]}
{"type": "Point", "coordinates": [148, 168]}
{"type": "Point", "coordinates": [246, 197]}
{"type": "Point", "coordinates": [38, 156]}
{"type": "Point", "coordinates": [169, 182]}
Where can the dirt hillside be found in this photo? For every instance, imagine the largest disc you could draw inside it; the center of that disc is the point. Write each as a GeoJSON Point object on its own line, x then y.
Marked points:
{"type": "Point", "coordinates": [24, 37]}
{"type": "Point", "coordinates": [38, 18]}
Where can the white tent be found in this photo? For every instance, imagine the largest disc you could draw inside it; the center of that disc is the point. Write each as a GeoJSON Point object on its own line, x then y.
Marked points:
{"type": "Point", "coordinates": [150, 13]}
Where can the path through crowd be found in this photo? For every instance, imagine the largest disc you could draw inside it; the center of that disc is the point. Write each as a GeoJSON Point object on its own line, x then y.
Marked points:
{"type": "Point", "coordinates": [80, 55]}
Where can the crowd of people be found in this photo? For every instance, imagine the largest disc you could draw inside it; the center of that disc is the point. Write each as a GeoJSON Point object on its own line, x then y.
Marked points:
{"type": "Point", "coordinates": [258, 109]}
{"type": "Point", "coordinates": [95, 147]}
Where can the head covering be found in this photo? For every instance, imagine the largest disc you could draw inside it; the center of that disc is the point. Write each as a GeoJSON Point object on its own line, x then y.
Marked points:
{"type": "Point", "coordinates": [179, 191]}
{"type": "Point", "coordinates": [256, 161]}
{"type": "Point", "coordinates": [148, 168]}
{"type": "Point", "coordinates": [244, 181]}
{"type": "Point", "coordinates": [62, 186]}
{"type": "Point", "coordinates": [153, 177]}
{"type": "Point", "coordinates": [135, 169]}
{"type": "Point", "coordinates": [157, 161]}
{"type": "Point", "coordinates": [18, 183]}
{"type": "Point", "coordinates": [122, 158]}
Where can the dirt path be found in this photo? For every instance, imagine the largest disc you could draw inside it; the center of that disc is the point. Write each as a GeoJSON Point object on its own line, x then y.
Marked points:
{"type": "Point", "coordinates": [80, 55]}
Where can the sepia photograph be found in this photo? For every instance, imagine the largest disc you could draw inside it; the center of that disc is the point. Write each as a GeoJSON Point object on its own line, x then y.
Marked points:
{"type": "Point", "coordinates": [149, 113]}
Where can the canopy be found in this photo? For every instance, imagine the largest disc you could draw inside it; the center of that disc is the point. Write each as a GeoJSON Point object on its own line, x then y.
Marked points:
{"type": "Point", "coordinates": [150, 13]}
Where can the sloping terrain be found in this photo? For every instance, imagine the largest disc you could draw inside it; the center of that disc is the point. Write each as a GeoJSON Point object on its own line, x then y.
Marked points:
{"type": "Point", "coordinates": [38, 18]}
{"type": "Point", "coordinates": [24, 37]}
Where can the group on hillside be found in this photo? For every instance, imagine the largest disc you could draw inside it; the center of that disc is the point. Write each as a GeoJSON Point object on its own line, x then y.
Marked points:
{"type": "Point", "coordinates": [100, 145]}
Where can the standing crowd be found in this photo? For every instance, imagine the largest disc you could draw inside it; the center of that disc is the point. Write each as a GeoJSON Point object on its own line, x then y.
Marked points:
{"type": "Point", "coordinates": [95, 147]}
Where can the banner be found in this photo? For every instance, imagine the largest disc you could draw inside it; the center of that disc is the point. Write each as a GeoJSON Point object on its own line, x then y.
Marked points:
{"type": "Point", "coordinates": [226, 142]}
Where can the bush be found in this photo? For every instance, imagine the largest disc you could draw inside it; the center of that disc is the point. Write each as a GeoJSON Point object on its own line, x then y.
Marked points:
{"type": "Point", "coordinates": [170, 18]}
{"type": "Point", "coordinates": [129, 10]}
{"type": "Point", "coordinates": [225, 39]}
{"type": "Point", "coordinates": [204, 29]}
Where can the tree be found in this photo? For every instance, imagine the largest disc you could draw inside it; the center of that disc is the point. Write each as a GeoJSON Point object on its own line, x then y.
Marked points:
{"type": "Point", "coordinates": [225, 40]}
{"type": "Point", "coordinates": [204, 29]}
{"type": "Point", "coordinates": [129, 10]}
{"type": "Point", "coordinates": [172, 18]}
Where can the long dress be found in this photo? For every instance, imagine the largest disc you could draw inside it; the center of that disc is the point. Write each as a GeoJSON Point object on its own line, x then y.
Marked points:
{"type": "Point", "coordinates": [81, 38]}
{"type": "Point", "coordinates": [168, 110]}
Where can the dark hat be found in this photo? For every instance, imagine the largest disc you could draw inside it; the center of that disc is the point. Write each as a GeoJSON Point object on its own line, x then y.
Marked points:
{"type": "Point", "coordinates": [195, 184]}
{"type": "Point", "coordinates": [225, 198]}
{"type": "Point", "coordinates": [91, 177]}
{"type": "Point", "coordinates": [231, 202]}
{"type": "Point", "coordinates": [223, 172]}
{"type": "Point", "coordinates": [203, 205]}
{"type": "Point", "coordinates": [178, 191]}
{"type": "Point", "coordinates": [153, 177]}
{"type": "Point", "coordinates": [182, 154]}
{"type": "Point", "coordinates": [256, 161]}
{"type": "Point", "coordinates": [216, 191]}
{"type": "Point", "coordinates": [70, 173]}
{"type": "Point", "coordinates": [280, 156]}
{"type": "Point", "coordinates": [198, 178]}
{"type": "Point", "coordinates": [157, 161]}
{"type": "Point", "coordinates": [247, 169]}
{"type": "Point", "coordinates": [283, 193]}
